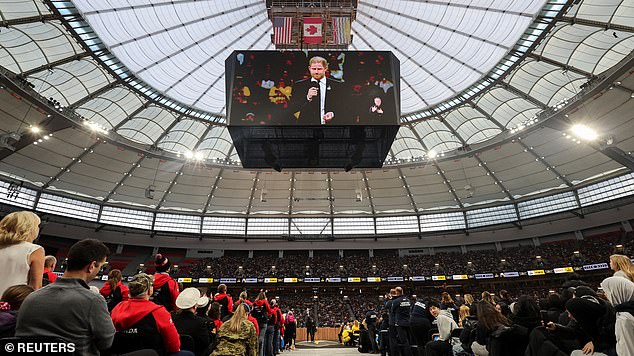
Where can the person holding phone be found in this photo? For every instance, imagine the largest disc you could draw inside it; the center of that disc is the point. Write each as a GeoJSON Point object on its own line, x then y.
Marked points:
{"type": "Point", "coordinates": [444, 320]}
{"type": "Point", "coordinates": [591, 331]}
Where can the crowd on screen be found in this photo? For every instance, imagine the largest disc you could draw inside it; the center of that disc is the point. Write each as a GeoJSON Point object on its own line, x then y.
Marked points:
{"type": "Point", "coordinates": [153, 315]}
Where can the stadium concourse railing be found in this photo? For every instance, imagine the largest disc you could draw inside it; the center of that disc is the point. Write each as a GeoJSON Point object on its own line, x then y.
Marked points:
{"type": "Point", "coordinates": [330, 334]}
{"type": "Point", "coordinates": [505, 274]}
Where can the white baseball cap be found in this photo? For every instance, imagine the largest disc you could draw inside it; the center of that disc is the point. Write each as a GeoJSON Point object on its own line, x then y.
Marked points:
{"type": "Point", "coordinates": [202, 302]}
{"type": "Point", "coordinates": [188, 298]}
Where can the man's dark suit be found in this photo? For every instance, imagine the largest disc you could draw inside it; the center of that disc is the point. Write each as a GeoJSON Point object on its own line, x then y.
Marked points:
{"type": "Point", "coordinates": [309, 111]}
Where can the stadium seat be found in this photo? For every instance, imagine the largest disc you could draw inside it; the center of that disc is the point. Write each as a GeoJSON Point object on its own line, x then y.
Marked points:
{"type": "Point", "coordinates": [187, 342]}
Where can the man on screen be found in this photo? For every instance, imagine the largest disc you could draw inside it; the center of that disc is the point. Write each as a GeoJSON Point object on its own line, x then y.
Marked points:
{"type": "Point", "coordinates": [314, 101]}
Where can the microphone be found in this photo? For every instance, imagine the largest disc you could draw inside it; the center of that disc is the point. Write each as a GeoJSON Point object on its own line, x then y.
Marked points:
{"type": "Point", "coordinates": [314, 85]}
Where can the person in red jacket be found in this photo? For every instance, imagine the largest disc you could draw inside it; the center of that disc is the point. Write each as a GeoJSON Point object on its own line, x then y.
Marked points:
{"type": "Point", "coordinates": [243, 299]}
{"type": "Point", "coordinates": [278, 326]}
{"type": "Point", "coordinates": [261, 312]}
{"type": "Point", "coordinates": [225, 301]}
{"type": "Point", "coordinates": [113, 290]}
{"type": "Point", "coordinates": [151, 322]}
{"type": "Point", "coordinates": [214, 315]}
{"type": "Point", "coordinates": [165, 287]}
{"type": "Point", "coordinates": [49, 266]}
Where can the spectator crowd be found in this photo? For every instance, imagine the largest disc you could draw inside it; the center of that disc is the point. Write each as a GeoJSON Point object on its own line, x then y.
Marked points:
{"type": "Point", "coordinates": [153, 315]}
{"type": "Point", "coordinates": [523, 258]}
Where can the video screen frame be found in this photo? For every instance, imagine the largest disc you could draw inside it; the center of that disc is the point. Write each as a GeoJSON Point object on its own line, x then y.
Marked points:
{"type": "Point", "coordinates": [281, 88]}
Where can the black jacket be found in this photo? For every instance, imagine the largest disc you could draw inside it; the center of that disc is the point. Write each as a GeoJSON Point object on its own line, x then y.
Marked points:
{"type": "Point", "coordinates": [388, 309]}
{"type": "Point", "coordinates": [189, 324]}
{"type": "Point", "coordinates": [418, 315]}
{"type": "Point", "coordinates": [400, 311]}
{"type": "Point", "coordinates": [370, 318]}
{"type": "Point", "coordinates": [310, 111]}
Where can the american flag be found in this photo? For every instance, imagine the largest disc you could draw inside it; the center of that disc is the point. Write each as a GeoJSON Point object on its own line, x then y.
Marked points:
{"type": "Point", "coordinates": [282, 30]}
{"type": "Point", "coordinates": [341, 30]}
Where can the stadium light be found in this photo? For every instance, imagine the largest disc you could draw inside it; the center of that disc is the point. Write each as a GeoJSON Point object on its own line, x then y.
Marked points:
{"type": "Point", "coordinates": [584, 132]}
{"type": "Point", "coordinates": [35, 129]}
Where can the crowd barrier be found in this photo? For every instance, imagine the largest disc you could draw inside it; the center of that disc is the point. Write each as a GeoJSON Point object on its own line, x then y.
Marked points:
{"type": "Point", "coordinates": [329, 334]}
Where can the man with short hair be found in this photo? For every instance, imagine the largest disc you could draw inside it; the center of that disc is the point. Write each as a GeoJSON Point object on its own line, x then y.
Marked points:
{"type": "Point", "coordinates": [392, 343]}
{"type": "Point", "coordinates": [399, 312]}
{"type": "Point", "coordinates": [49, 266]}
{"type": "Point", "coordinates": [143, 323]}
{"type": "Point", "coordinates": [445, 324]}
{"type": "Point", "coordinates": [68, 309]}
{"type": "Point", "coordinates": [370, 321]}
{"type": "Point", "coordinates": [225, 301]}
{"type": "Point", "coordinates": [315, 100]}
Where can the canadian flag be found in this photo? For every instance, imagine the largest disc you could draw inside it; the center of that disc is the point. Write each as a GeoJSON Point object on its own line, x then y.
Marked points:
{"type": "Point", "coordinates": [313, 30]}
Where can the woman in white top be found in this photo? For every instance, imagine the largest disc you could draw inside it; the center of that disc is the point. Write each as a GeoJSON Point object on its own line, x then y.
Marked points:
{"type": "Point", "coordinates": [21, 261]}
{"type": "Point", "coordinates": [622, 266]}
{"type": "Point", "coordinates": [620, 293]}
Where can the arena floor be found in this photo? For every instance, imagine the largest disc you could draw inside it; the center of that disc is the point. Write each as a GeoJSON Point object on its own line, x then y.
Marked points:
{"type": "Point", "coordinates": [323, 352]}
{"type": "Point", "coordinates": [321, 348]}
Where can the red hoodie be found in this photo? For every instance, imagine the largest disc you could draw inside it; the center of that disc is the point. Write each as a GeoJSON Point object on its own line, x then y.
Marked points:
{"type": "Point", "coordinates": [217, 323]}
{"type": "Point", "coordinates": [160, 279]}
{"type": "Point", "coordinates": [267, 306]}
{"type": "Point", "coordinates": [127, 313]}
{"type": "Point", "coordinates": [220, 296]}
{"type": "Point", "coordinates": [255, 323]}
{"type": "Point", "coordinates": [278, 317]}
{"type": "Point", "coordinates": [51, 275]}
{"type": "Point", "coordinates": [106, 290]}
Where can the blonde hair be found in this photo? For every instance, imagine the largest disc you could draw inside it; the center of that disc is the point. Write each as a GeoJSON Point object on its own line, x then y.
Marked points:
{"type": "Point", "coordinates": [19, 226]}
{"type": "Point", "coordinates": [463, 314]}
{"type": "Point", "coordinates": [623, 263]}
{"type": "Point", "coordinates": [468, 299]}
{"type": "Point", "coordinates": [239, 315]}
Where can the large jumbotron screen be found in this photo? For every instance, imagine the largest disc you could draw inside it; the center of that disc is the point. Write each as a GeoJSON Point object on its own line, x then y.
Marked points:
{"type": "Point", "coordinates": [286, 88]}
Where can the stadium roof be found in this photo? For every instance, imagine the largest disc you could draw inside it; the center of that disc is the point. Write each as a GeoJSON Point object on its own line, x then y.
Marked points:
{"type": "Point", "coordinates": [490, 88]}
